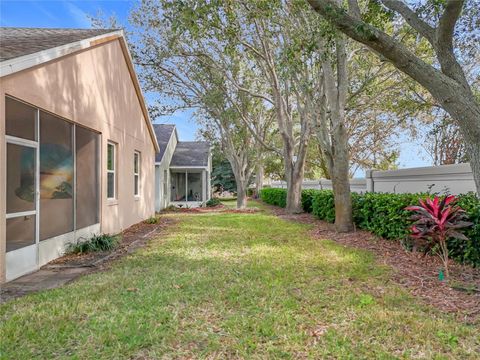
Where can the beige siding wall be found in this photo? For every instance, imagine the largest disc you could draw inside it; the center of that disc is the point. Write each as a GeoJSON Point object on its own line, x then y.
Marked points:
{"type": "Point", "coordinates": [92, 88]}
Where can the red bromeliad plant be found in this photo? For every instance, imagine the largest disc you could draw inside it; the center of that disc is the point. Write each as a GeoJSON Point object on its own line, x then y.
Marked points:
{"type": "Point", "coordinates": [436, 221]}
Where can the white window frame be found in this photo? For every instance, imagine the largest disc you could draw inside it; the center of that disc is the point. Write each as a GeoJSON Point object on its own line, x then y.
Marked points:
{"type": "Point", "coordinates": [114, 171]}
{"type": "Point", "coordinates": [137, 156]}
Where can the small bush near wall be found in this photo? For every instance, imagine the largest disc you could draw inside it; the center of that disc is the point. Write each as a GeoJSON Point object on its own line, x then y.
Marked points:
{"type": "Point", "coordinates": [104, 242]}
{"type": "Point", "coordinates": [384, 215]}
{"type": "Point", "coordinates": [213, 202]}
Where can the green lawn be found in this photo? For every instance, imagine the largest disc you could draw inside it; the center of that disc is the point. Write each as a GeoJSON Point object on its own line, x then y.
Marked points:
{"type": "Point", "coordinates": [234, 286]}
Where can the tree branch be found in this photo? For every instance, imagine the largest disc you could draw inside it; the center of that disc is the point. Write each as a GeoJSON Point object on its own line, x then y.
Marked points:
{"type": "Point", "coordinates": [412, 19]}
{"type": "Point", "coordinates": [446, 25]}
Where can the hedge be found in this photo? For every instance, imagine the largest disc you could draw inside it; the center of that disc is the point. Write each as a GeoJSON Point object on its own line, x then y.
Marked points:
{"type": "Point", "coordinates": [274, 196]}
{"type": "Point", "coordinates": [383, 214]}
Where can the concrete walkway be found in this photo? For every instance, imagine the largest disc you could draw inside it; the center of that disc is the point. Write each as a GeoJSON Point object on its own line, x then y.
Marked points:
{"type": "Point", "coordinates": [43, 279]}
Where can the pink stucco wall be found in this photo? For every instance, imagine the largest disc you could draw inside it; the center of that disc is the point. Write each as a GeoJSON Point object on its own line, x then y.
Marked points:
{"type": "Point", "coordinates": [92, 88]}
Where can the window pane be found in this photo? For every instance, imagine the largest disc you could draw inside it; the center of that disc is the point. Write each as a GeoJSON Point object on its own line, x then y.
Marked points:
{"type": "Point", "coordinates": [20, 119]}
{"type": "Point", "coordinates": [87, 158]}
{"type": "Point", "coordinates": [111, 157]}
{"type": "Point", "coordinates": [194, 187]}
{"type": "Point", "coordinates": [20, 178]}
{"type": "Point", "coordinates": [136, 185]}
{"type": "Point", "coordinates": [135, 162]}
{"type": "Point", "coordinates": [20, 232]}
{"type": "Point", "coordinates": [178, 186]}
{"type": "Point", "coordinates": [56, 176]}
{"type": "Point", "coordinates": [110, 185]}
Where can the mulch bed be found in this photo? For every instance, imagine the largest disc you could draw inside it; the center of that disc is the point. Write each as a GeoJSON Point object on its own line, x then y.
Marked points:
{"type": "Point", "coordinates": [215, 209]}
{"type": "Point", "coordinates": [418, 273]}
{"type": "Point", "coordinates": [134, 237]}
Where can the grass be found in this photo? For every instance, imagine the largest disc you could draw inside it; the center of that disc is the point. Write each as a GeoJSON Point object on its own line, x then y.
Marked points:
{"type": "Point", "coordinates": [232, 203]}
{"type": "Point", "coordinates": [234, 286]}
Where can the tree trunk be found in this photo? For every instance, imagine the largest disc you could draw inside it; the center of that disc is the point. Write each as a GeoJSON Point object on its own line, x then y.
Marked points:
{"type": "Point", "coordinates": [241, 178]}
{"type": "Point", "coordinates": [259, 178]}
{"type": "Point", "coordinates": [294, 196]}
{"type": "Point", "coordinates": [241, 195]}
{"type": "Point", "coordinates": [341, 183]}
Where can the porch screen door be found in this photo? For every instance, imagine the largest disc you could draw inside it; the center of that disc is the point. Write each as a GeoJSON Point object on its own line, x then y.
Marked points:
{"type": "Point", "coordinates": [22, 189]}
{"type": "Point", "coordinates": [21, 229]}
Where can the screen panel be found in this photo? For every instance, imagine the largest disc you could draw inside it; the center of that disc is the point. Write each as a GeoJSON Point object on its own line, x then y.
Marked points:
{"type": "Point", "coordinates": [195, 186]}
{"type": "Point", "coordinates": [56, 176]}
{"type": "Point", "coordinates": [20, 232]}
{"type": "Point", "coordinates": [20, 119]}
{"type": "Point", "coordinates": [178, 186]}
{"type": "Point", "coordinates": [20, 178]}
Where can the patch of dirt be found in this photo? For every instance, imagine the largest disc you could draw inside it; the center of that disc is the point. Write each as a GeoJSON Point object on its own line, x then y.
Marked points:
{"type": "Point", "coordinates": [134, 237]}
{"type": "Point", "coordinates": [418, 273]}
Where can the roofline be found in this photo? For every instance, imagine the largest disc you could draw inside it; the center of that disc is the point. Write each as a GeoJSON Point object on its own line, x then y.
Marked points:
{"type": "Point", "coordinates": [169, 139]}
{"type": "Point", "coordinates": [189, 167]}
{"type": "Point", "coordinates": [24, 62]}
{"type": "Point", "coordinates": [138, 89]}
{"type": "Point", "coordinates": [20, 63]}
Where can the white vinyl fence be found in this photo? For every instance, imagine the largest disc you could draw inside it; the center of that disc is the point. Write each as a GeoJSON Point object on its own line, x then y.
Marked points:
{"type": "Point", "coordinates": [453, 179]}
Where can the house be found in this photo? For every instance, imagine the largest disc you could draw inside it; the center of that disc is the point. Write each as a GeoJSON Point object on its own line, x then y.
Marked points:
{"type": "Point", "coordinates": [182, 170]}
{"type": "Point", "coordinates": [77, 148]}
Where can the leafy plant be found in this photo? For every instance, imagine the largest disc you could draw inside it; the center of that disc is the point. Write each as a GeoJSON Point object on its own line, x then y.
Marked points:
{"type": "Point", "coordinates": [436, 221]}
{"type": "Point", "coordinates": [152, 220]}
{"type": "Point", "coordinates": [213, 202]}
{"type": "Point", "coordinates": [103, 242]}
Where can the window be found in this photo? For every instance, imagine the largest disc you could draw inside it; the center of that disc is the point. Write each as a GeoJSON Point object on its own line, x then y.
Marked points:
{"type": "Point", "coordinates": [86, 155]}
{"type": "Point", "coordinates": [111, 168]}
{"type": "Point", "coordinates": [136, 173]}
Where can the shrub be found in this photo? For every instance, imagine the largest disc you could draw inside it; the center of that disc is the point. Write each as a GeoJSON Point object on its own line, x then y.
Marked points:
{"type": "Point", "coordinates": [468, 251]}
{"type": "Point", "coordinates": [104, 242]}
{"type": "Point", "coordinates": [152, 220]}
{"type": "Point", "coordinates": [384, 214]}
{"type": "Point", "coordinates": [323, 205]}
{"type": "Point", "coordinates": [307, 199]}
{"type": "Point", "coordinates": [274, 196]}
{"type": "Point", "coordinates": [436, 221]}
{"type": "Point", "coordinates": [213, 202]}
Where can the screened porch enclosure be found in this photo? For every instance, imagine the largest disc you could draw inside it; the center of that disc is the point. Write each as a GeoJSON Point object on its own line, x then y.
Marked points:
{"type": "Point", "coordinates": [187, 186]}
{"type": "Point", "coordinates": [52, 192]}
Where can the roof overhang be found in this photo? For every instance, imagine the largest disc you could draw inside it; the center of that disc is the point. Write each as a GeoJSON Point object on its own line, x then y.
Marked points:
{"type": "Point", "coordinates": [15, 65]}
{"type": "Point", "coordinates": [177, 167]}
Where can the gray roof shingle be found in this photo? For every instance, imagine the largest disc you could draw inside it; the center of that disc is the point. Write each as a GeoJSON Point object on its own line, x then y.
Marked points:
{"type": "Point", "coordinates": [163, 133]}
{"type": "Point", "coordinates": [16, 42]}
{"type": "Point", "coordinates": [191, 153]}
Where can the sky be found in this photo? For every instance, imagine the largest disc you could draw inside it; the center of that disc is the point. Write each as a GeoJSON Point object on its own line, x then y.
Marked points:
{"type": "Point", "coordinates": [74, 14]}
